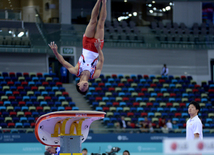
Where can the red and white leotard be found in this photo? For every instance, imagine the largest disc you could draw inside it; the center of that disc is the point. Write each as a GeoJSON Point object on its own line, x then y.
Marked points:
{"type": "Point", "coordinates": [89, 58]}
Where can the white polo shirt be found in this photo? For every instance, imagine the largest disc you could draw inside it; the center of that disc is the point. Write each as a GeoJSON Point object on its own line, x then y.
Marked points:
{"type": "Point", "coordinates": [194, 126]}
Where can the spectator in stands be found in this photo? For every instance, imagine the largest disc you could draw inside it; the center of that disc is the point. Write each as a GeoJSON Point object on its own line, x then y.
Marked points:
{"type": "Point", "coordinates": [144, 128]}
{"type": "Point", "coordinates": [84, 151]}
{"type": "Point", "coordinates": [123, 122]}
{"type": "Point", "coordinates": [146, 121]}
{"type": "Point", "coordinates": [165, 129]}
{"type": "Point", "coordinates": [117, 127]}
{"type": "Point", "coordinates": [174, 125]}
{"type": "Point", "coordinates": [151, 129]}
{"type": "Point", "coordinates": [126, 152]}
{"type": "Point", "coordinates": [63, 72]}
{"type": "Point", "coordinates": [157, 128]}
{"type": "Point", "coordinates": [88, 66]}
{"type": "Point", "coordinates": [162, 122]}
{"type": "Point", "coordinates": [169, 124]}
{"type": "Point", "coordinates": [129, 127]}
{"type": "Point", "coordinates": [165, 70]}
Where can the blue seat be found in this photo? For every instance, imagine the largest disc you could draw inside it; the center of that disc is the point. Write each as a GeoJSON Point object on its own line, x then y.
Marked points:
{"type": "Point", "coordinates": [171, 85]}
{"type": "Point", "coordinates": [140, 119]}
{"type": "Point", "coordinates": [43, 103]}
{"type": "Point", "coordinates": [7, 103]}
{"type": "Point", "coordinates": [16, 108]}
{"type": "Point", "coordinates": [3, 83]}
{"type": "Point", "coordinates": [110, 125]}
{"type": "Point", "coordinates": [145, 99]}
{"type": "Point", "coordinates": [119, 109]}
{"type": "Point", "coordinates": [153, 109]}
{"type": "Point", "coordinates": [114, 84]}
{"type": "Point", "coordinates": [173, 109]}
{"type": "Point", "coordinates": [108, 104]}
{"type": "Point", "coordinates": [55, 88]}
{"type": "Point", "coordinates": [185, 95]}
{"type": "Point", "coordinates": [174, 81]}
{"type": "Point", "coordinates": [163, 90]}
{"type": "Point", "coordinates": [51, 93]}
{"type": "Point", "coordinates": [131, 89]}
{"type": "Point", "coordinates": [133, 76]}
{"type": "Point", "coordinates": [133, 109]}
{"type": "Point", "coordinates": [138, 99]}
{"type": "Point", "coordinates": [122, 104]}
{"type": "Point", "coordinates": [182, 120]}
{"type": "Point", "coordinates": [105, 98]}
{"type": "Point", "coordinates": [26, 98]}
{"type": "Point", "coordinates": [9, 92]}
{"type": "Point", "coordinates": [35, 79]}
{"type": "Point", "coordinates": [171, 99]}
{"type": "Point", "coordinates": [23, 119]}
{"type": "Point", "coordinates": [14, 103]}
{"type": "Point", "coordinates": [175, 119]}
{"type": "Point", "coordinates": [106, 119]}
{"type": "Point", "coordinates": [1, 78]}
{"type": "Point", "coordinates": [113, 119]}
{"type": "Point", "coordinates": [75, 108]}
{"type": "Point", "coordinates": [121, 94]}
{"type": "Point", "coordinates": [91, 89]}
{"type": "Point", "coordinates": [156, 104]}
{"type": "Point", "coordinates": [110, 80]}
{"type": "Point", "coordinates": [207, 125]}
{"type": "Point", "coordinates": [62, 89]}
{"type": "Point", "coordinates": [24, 108]}
{"type": "Point", "coordinates": [159, 99]}
{"type": "Point", "coordinates": [184, 115]}
{"type": "Point", "coordinates": [124, 89]}
{"type": "Point", "coordinates": [204, 100]}
{"type": "Point", "coordinates": [163, 115]}
{"type": "Point", "coordinates": [99, 109]}
{"type": "Point", "coordinates": [112, 99]}
{"type": "Point", "coordinates": [61, 98]}
{"type": "Point", "coordinates": [26, 125]}
{"type": "Point", "coordinates": [142, 80]}
{"type": "Point", "coordinates": [31, 83]}
{"type": "Point", "coordinates": [120, 76]}
{"type": "Point", "coordinates": [160, 109]}
{"type": "Point", "coordinates": [14, 131]}
{"type": "Point", "coordinates": [35, 114]}
{"type": "Point", "coordinates": [150, 114]}
{"type": "Point", "coordinates": [107, 84]}
{"type": "Point", "coordinates": [116, 114]}
{"type": "Point", "coordinates": [55, 79]}
{"type": "Point", "coordinates": [60, 108]}
{"type": "Point", "coordinates": [94, 84]}
{"type": "Point", "coordinates": [57, 104]}
{"type": "Point", "coordinates": [53, 109]}
{"type": "Point", "coordinates": [7, 78]}
{"type": "Point", "coordinates": [209, 120]}
{"type": "Point", "coordinates": [166, 109]}
{"type": "Point", "coordinates": [177, 99]}
{"type": "Point", "coordinates": [153, 94]}
{"type": "Point", "coordinates": [3, 125]}
{"type": "Point", "coordinates": [18, 125]}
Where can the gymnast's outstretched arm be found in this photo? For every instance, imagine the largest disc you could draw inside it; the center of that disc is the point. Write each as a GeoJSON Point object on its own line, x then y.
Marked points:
{"type": "Point", "coordinates": [70, 68]}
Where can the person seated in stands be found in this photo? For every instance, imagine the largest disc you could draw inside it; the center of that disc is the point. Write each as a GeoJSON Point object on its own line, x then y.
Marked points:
{"type": "Point", "coordinates": [174, 125]}
{"type": "Point", "coordinates": [117, 127]}
{"type": "Point", "coordinates": [165, 70]}
{"type": "Point", "coordinates": [52, 150]}
{"type": "Point", "coordinates": [165, 129]}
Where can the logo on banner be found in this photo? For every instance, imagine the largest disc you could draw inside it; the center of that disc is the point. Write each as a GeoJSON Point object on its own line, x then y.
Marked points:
{"type": "Point", "coordinates": [179, 146]}
{"type": "Point", "coordinates": [205, 145]}
{"type": "Point", "coordinates": [120, 137]}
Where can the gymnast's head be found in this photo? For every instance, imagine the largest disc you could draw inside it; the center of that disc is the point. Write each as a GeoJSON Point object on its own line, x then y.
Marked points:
{"type": "Point", "coordinates": [82, 87]}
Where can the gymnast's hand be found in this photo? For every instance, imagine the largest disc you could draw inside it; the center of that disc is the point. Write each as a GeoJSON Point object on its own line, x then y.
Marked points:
{"type": "Point", "coordinates": [97, 44]}
{"type": "Point", "coordinates": [53, 46]}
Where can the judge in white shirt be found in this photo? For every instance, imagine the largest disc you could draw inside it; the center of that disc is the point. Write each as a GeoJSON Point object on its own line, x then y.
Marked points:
{"type": "Point", "coordinates": [194, 124]}
{"type": "Point", "coordinates": [165, 70]}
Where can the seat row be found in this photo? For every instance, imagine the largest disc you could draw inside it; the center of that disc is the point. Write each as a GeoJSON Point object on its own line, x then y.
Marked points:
{"type": "Point", "coordinates": [25, 74]}
{"type": "Point", "coordinates": [33, 88]}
